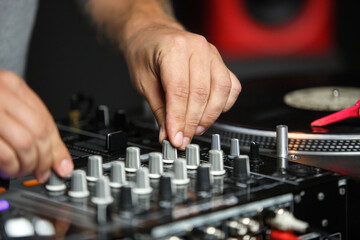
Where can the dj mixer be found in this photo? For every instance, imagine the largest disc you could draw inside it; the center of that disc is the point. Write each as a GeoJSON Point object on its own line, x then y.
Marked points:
{"type": "Point", "coordinates": [126, 185]}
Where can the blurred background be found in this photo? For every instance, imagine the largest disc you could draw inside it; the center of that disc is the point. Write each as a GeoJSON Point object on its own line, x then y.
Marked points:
{"type": "Point", "coordinates": [257, 38]}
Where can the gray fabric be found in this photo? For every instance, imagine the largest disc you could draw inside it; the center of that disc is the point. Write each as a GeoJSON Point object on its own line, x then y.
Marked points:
{"type": "Point", "coordinates": [16, 22]}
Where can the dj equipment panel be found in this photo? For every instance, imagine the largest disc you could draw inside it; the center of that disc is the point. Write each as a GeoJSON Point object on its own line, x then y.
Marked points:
{"type": "Point", "coordinates": [126, 185]}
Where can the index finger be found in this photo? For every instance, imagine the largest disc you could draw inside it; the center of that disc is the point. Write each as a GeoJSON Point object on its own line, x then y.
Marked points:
{"type": "Point", "coordinates": [174, 73]}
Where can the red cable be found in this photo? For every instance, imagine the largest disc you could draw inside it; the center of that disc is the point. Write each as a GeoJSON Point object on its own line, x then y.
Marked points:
{"type": "Point", "coordinates": [279, 235]}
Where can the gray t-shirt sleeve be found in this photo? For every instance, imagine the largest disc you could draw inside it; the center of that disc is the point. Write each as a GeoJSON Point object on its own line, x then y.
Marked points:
{"type": "Point", "coordinates": [17, 18]}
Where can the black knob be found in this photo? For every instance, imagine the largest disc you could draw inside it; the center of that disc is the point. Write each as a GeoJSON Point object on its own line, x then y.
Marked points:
{"type": "Point", "coordinates": [254, 153]}
{"type": "Point", "coordinates": [203, 183]}
{"type": "Point", "coordinates": [165, 192]}
{"type": "Point", "coordinates": [120, 122]}
{"type": "Point", "coordinates": [241, 168]}
{"type": "Point", "coordinates": [103, 116]}
{"type": "Point", "coordinates": [125, 200]}
{"type": "Point", "coordinates": [116, 141]}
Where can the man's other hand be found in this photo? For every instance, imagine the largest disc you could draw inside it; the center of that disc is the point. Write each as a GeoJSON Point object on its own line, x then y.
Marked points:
{"type": "Point", "coordinates": [29, 139]}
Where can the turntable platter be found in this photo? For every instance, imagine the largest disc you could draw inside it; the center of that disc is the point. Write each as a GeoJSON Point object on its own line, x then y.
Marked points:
{"type": "Point", "coordinates": [328, 98]}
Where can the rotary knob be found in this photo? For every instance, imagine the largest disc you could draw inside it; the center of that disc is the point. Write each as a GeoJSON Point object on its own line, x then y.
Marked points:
{"type": "Point", "coordinates": [102, 192]}
{"type": "Point", "coordinates": [94, 169]}
{"type": "Point", "coordinates": [217, 162]}
{"type": "Point", "coordinates": [165, 190]}
{"type": "Point", "coordinates": [117, 174]}
{"type": "Point", "coordinates": [203, 183]}
{"type": "Point", "coordinates": [241, 168]}
{"type": "Point", "coordinates": [215, 142]}
{"type": "Point", "coordinates": [55, 183]}
{"type": "Point", "coordinates": [78, 187]}
{"type": "Point", "coordinates": [234, 148]}
{"type": "Point", "coordinates": [180, 172]}
{"type": "Point", "coordinates": [255, 154]}
{"type": "Point", "coordinates": [142, 182]}
{"type": "Point", "coordinates": [169, 152]}
{"type": "Point", "coordinates": [192, 156]}
{"type": "Point", "coordinates": [155, 165]}
{"type": "Point", "coordinates": [132, 159]}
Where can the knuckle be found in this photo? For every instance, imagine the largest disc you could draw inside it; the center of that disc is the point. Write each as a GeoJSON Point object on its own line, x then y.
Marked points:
{"type": "Point", "coordinates": [201, 94]}
{"type": "Point", "coordinates": [179, 42]}
{"type": "Point", "coordinates": [7, 158]}
{"type": "Point", "coordinates": [158, 112]}
{"type": "Point", "coordinates": [25, 143]}
{"type": "Point", "coordinates": [225, 86]}
{"type": "Point", "coordinates": [181, 92]}
{"type": "Point", "coordinates": [42, 130]}
{"type": "Point", "coordinates": [192, 124]}
{"type": "Point", "coordinates": [201, 41]}
{"type": "Point", "coordinates": [210, 118]}
{"type": "Point", "coordinates": [178, 118]}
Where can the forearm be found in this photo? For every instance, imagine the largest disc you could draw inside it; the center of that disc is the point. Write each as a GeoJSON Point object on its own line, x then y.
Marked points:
{"type": "Point", "coordinates": [122, 20]}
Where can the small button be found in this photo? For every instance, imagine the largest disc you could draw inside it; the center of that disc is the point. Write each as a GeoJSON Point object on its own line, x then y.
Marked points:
{"type": "Point", "coordinates": [2, 190]}
{"type": "Point", "coordinates": [19, 227]}
{"type": "Point", "coordinates": [31, 183]}
{"type": "Point", "coordinates": [4, 205]}
{"type": "Point", "coordinates": [44, 228]}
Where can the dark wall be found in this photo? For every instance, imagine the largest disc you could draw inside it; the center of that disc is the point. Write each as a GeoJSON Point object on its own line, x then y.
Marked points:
{"type": "Point", "coordinates": [65, 58]}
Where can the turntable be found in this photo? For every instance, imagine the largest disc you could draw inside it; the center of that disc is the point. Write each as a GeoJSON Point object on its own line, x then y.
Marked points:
{"type": "Point", "coordinates": [296, 102]}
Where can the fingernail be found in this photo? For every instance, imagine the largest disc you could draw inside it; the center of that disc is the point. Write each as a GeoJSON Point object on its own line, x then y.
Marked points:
{"type": "Point", "coordinates": [66, 167]}
{"type": "Point", "coordinates": [44, 176]}
{"type": "Point", "coordinates": [178, 139]}
{"type": "Point", "coordinates": [200, 130]}
{"type": "Point", "coordinates": [185, 142]}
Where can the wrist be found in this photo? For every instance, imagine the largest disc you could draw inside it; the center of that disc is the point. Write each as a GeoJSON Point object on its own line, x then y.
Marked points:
{"type": "Point", "coordinates": [145, 19]}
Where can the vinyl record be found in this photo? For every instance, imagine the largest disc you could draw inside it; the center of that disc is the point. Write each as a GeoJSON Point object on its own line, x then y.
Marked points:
{"type": "Point", "coordinates": [261, 105]}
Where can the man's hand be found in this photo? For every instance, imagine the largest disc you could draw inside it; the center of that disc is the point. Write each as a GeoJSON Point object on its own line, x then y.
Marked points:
{"type": "Point", "coordinates": [183, 78]}
{"type": "Point", "coordinates": [181, 75]}
{"type": "Point", "coordinates": [29, 139]}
